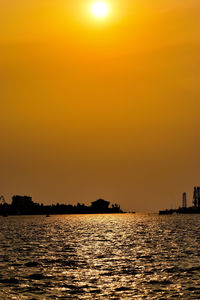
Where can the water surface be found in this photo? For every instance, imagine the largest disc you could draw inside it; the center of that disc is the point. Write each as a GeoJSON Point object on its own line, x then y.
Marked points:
{"type": "Point", "coordinates": [123, 256]}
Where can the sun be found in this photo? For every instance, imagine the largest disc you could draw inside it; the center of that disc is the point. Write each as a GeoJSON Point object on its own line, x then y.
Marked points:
{"type": "Point", "coordinates": [100, 9]}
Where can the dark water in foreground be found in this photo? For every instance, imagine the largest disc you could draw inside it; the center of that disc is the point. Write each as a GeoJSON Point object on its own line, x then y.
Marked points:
{"type": "Point", "coordinates": [100, 257]}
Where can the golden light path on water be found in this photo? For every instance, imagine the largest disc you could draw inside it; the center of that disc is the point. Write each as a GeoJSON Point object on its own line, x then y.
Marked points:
{"type": "Point", "coordinates": [123, 256]}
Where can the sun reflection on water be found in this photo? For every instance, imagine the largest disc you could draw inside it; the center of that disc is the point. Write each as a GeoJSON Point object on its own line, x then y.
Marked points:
{"type": "Point", "coordinates": [100, 256]}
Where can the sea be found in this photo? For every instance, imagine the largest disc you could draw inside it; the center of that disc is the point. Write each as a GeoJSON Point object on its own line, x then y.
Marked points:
{"type": "Point", "coordinates": [117, 256]}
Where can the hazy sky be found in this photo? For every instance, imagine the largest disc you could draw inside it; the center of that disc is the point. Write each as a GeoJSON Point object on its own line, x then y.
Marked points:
{"type": "Point", "coordinates": [100, 108]}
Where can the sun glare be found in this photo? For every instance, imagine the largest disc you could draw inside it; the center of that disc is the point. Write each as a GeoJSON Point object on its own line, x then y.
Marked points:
{"type": "Point", "coordinates": [100, 9]}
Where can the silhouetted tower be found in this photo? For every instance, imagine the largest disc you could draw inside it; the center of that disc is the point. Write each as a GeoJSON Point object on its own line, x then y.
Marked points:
{"type": "Point", "coordinates": [198, 196]}
{"type": "Point", "coordinates": [184, 205]}
{"type": "Point", "coordinates": [195, 197]}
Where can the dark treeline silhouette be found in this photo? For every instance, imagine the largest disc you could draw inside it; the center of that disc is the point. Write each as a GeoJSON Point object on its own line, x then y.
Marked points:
{"type": "Point", "coordinates": [23, 205]}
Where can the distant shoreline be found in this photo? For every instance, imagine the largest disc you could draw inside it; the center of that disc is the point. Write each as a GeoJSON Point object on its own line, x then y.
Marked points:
{"type": "Point", "coordinates": [23, 205]}
{"type": "Point", "coordinates": [195, 209]}
{"type": "Point", "coordinates": [182, 210]}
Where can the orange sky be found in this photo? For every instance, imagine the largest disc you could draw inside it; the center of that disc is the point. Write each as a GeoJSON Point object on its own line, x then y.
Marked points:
{"type": "Point", "coordinates": [100, 108]}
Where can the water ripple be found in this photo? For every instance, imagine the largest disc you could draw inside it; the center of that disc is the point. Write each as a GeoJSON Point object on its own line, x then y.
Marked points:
{"type": "Point", "coordinates": [100, 257]}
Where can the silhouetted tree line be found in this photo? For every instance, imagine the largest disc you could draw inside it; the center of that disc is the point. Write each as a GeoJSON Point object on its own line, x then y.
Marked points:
{"type": "Point", "coordinates": [23, 205]}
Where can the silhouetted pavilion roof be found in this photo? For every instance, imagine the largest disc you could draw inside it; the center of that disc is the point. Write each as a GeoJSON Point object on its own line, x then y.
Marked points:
{"type": "Point", "coordinates": [100, 201]}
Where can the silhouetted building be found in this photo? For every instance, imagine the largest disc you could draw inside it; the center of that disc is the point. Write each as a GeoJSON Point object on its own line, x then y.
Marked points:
{"type": "Point", "coordinates": [184, 203]}
{"type": "Point", "coordinates": [22, 203]}
{"type": "Point", "coordinates": [195, 197]}
{"type": "Point", "coordinates": [100, 205]}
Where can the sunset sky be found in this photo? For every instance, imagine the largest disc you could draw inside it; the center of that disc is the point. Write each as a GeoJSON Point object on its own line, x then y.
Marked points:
{"type": "Point", "coordinates": [100, 106]}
